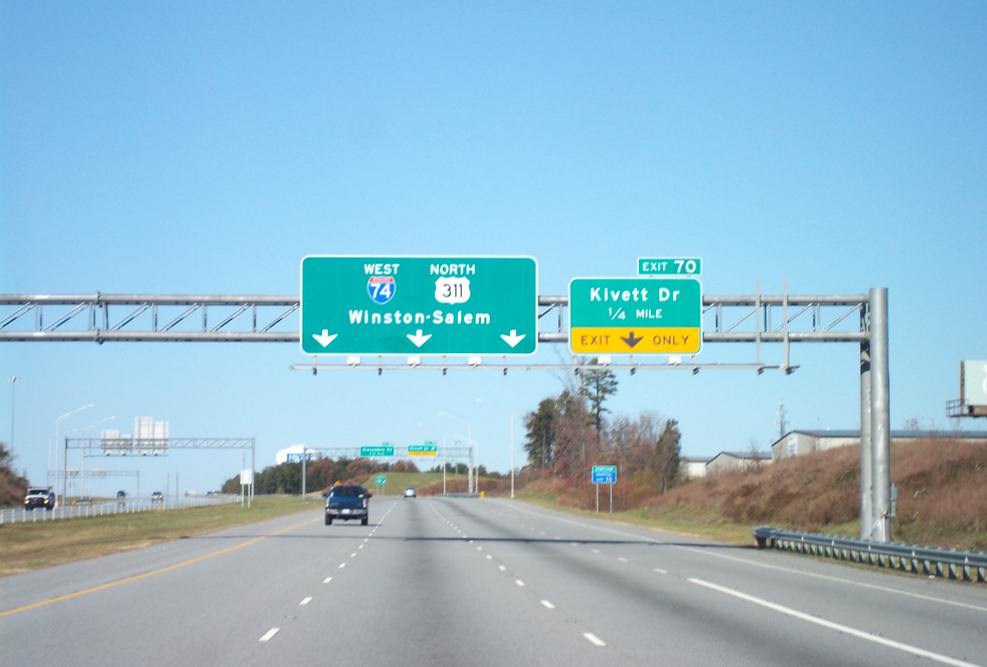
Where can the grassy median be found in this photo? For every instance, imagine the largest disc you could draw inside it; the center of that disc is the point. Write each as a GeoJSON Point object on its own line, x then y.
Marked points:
{"type": "Point", "coordinates": [26, 546]}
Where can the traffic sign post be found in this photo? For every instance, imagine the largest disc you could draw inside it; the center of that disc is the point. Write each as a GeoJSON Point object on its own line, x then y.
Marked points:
{"type": "Point", "coordinates": [635, 315]}
{"type": "Point", "coordinates": [604, 475]}
{"type": "Point", "coordinates": [413, 305]}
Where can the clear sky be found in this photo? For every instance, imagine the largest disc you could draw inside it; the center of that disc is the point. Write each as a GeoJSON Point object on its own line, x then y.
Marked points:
{"type": "Point", "coordinates": [206, 148]}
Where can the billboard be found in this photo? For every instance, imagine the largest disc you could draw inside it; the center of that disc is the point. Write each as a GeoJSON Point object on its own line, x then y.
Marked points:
{"type": "Point", "coordinates": [973, 382]}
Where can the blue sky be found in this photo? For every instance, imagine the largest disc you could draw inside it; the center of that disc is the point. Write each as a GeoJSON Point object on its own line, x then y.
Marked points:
{"type": "Point", "coordinates": [185, 147]}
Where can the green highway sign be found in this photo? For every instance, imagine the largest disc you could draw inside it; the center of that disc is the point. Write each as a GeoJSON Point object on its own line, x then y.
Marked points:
{"type": "Point", "coordinates": [635, 315]}
{"type": "Point", "coordinates": [412, 305]}
{"type": "Point", "coordinates": [383, 450]}
{"type": "Point", "coordinates": [381, 480]}
{"type": "Point", "coordinates": [670, 266]}
{"type": "Point", "coordinates": [422, 450]}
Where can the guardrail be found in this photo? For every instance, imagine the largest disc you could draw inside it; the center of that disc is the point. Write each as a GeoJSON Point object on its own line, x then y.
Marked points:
{"type": "Point", "coordinates": [109, 507]}
{"type": "Point", "coordinates": [929, 561]}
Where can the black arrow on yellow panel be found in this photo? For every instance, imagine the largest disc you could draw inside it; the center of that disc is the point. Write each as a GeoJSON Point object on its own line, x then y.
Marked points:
{"type": "Point", "coordinates": [631, 340]}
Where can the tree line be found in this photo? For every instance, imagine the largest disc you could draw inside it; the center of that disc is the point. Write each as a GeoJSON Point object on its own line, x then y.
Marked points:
{"type": "Point", "coordinates": [569, 433]}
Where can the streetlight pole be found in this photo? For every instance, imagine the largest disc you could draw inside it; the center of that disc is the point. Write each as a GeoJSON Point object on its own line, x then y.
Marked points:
{"type": "Point", "coordinates": [483, 400]}
{"type": "Point", "coordinates": [469, 443]}
{"type": "Point", "coordinates": [65, 463]}
{"type": "Point", "coordinates": [13, 380]}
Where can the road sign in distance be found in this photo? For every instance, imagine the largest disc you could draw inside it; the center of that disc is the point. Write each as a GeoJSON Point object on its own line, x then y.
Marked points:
{"type": "Point", "coordinates": [670, 266]}
{"type": "Point", "coordinates": [635, 315]}
{"type": "Point", "coordinates": [419, 305]}
{"type": "Point", "coordinates": [422, 450]}
{"type": "Point", "coordinates": [381, 480]}
{"type": "Point", "coordinates": [604, 475]}
{"type": "Point", "coordinates": [383, 450]}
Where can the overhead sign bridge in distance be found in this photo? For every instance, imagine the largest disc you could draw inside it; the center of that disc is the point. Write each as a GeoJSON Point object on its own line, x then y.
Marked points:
{"type": "Point", "coordinates": [412, 305]}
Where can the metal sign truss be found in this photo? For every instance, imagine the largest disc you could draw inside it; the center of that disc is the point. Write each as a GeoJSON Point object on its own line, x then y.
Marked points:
{"type": "Point", "coordinates": [752, 319]}
{"type": "Point", "coordinates": [353, 453]}
{"type": "Point", "coordinates": [143, 317]}
{"type": "Point", "coordinates": [101, 318]}
{"type": "Point", "coordinates": [90, 445]}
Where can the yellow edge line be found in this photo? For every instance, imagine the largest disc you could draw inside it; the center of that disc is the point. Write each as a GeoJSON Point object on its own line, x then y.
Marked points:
{"type": "Point", "coordinates": [150, 574]}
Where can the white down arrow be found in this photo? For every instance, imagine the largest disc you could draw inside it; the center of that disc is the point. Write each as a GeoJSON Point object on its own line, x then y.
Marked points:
{"type": "Point", "coordinates": [513, 339]}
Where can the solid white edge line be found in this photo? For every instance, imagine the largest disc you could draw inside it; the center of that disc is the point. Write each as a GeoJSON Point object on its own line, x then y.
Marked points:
{"type": "Point", "coordinates": [914, 650]}
{"type": "Point", "coordinates": [594, 639]}
{"type": "Point", "coordinates": [824, 577]}
{"type": "Point", "coordinates": [270, 633]}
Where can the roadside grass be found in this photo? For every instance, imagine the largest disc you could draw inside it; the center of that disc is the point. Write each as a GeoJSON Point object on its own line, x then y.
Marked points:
{"type": "Point", "coordinates": [677, 519]}
{"type": "Point", "coordinates": [426, 483]}
{"type": "Point", "coordinates": [30, 546]}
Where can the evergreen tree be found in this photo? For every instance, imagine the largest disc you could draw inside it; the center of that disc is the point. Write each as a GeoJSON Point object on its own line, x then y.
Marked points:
{"type": "Point", "coordinates": [665, 461]}
{"type": "Point", "coordinates": [596, 386]}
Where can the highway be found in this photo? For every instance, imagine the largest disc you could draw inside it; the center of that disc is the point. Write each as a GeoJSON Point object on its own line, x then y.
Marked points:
{"type": "Point", "coordinates": [470, 581]}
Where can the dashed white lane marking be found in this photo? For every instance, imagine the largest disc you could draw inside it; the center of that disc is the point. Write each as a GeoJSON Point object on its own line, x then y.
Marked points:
{"type": "Point", "coordinates": [342, 565]}
{"type": "Point", "coordinates": [502, 568]}
{"type": "Point", "coordinates": [623, 560]}
{"type": "Point", "coordinates": [594, 639]}
{"type": "Point", "coordinates": [353, 555]}
{"type": "Point", "coordinates": [547, 604]}
{"type": "Point", "coordinates": [270, 633]}
{"type": "Point", "coordinates": [661, 571]}
{"type": "Point", "coordinates": [519, 583]}
{"type": "Point", "coordinates": [914, 650]}
{"type": "Point", "coordinates": [305, 601]}
{"type": "Point", "coordinates": [327, 580]}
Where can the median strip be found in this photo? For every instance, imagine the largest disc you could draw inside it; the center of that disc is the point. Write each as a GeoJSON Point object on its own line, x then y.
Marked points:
{"type": "Point", "coordinates": [149, 574]}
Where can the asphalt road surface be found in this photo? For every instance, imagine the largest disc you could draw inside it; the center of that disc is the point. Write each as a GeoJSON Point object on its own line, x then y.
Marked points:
{"type": "Point", "coordinates": [454, 581]}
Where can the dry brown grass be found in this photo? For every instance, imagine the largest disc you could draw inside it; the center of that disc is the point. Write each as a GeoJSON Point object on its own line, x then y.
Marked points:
{"type": "Point", "coordinates": [942, 494]}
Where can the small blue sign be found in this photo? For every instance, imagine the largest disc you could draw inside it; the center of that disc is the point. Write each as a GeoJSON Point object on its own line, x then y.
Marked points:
{"type": "Point", "coordinates": [604, 474]}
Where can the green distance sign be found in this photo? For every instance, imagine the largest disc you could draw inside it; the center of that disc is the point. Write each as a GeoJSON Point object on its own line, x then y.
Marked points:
{"type": "Point", "coordinates": [411, 305]}
{"type": "Point", "coordinates": [384, 450]}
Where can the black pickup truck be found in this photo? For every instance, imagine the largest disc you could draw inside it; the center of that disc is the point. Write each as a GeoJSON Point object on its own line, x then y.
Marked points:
{"type": "Point", "coordinates": [348, 501]}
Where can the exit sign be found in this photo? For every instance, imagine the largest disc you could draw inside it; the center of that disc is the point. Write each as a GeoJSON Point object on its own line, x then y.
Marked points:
{"type": "Point", "coordinates": [412, 305]}
{"type": "Point", "coordinates": [670, 266]}
{"type": "Point", "coordinates": [639, 315]}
